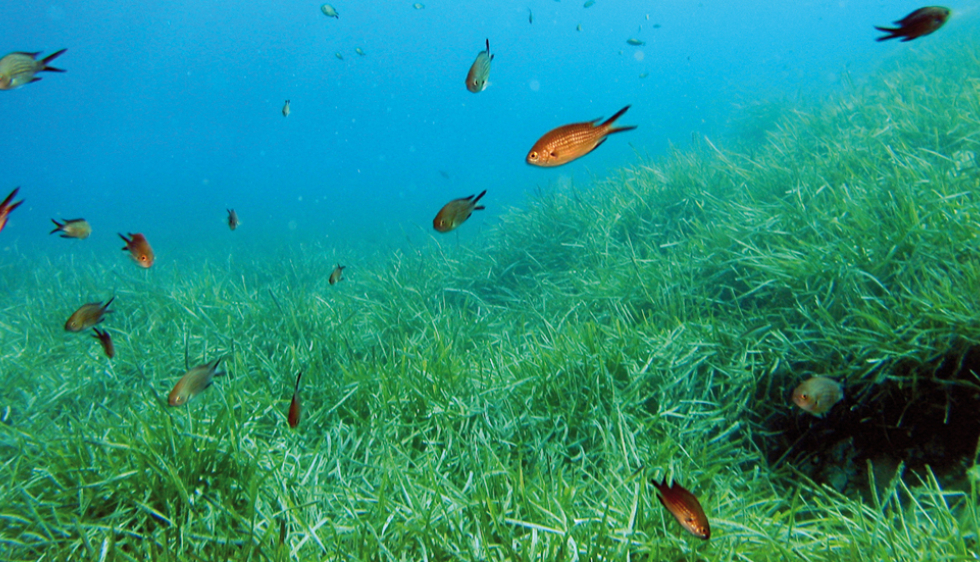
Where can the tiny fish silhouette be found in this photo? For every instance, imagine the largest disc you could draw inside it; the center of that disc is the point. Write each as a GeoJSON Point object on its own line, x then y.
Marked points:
{"type": "Point", "coordinates": [685, 507]}
{"type": "Point", "coordinates": [917, 24]}
{"type": "Point", "coordinates": [329, 11]}
{"type": "Point", "coordinates": [285, 109]}
{"type": "Point", "coordinates": [569, 142]}
{"type": "Point", "coordinates": [6, 206]}
{"type": "Point", "coordinates": [232, 219]}
{"type": "Point", "coordinates": [72, 228]}
{"type": "Point", "coordinates": [817, 395]}
{"type": "Point", "coordinates": [139, 249]}
{"type": "Point", "coordinates": [106, 341]}
{"type": "Point", "coordinates": [456, 212]}
{"type": "Point", "coordinates": [295, 408]}
{"type": "Point", "coordinates": [336, 274]}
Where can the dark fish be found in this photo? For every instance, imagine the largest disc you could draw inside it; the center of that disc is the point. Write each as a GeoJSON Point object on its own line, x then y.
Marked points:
{"type": "Point", "coordinates": [106, 341]}
{"type": "Point", "coordinates": [476, 79]}
{"type": "Point", "coordinates": [17, 69]}
{"type": "Point", "coordinates": [7, 206]}
{"type": "Point", "coordinates": [193, 383]}
{"type": "Point", "coordinates": [530, 16]}
{"type": "Point", "coordinates": [285, 109]}
{"type": "Point", "coordinates": [232, 219]}
{"type": "Point", "coordinates": [72, 228]}
{"type": "Point", "coordinates": [817, 395]}
{"type": "Point", "coordinates": [684, 507]}
{"type": "Point", "coordinates": [88, 315]}
{"type": "Point", "coordinates": [920, 22]}
{"type": "Point", "coordinates": [564, 144]}
{"type": "Point", "coordinates": [295, 408]}
{"type": "Point", "coordinates": [456, 212]}
{"type": "Point", "coordinates": [139, 249]}
{"type": "Point", "coordinates": [335, 275]}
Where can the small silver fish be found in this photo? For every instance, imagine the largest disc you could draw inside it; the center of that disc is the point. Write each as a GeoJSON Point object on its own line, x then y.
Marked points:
{"type": "Point", "coordinates": [329, 11]}
{"type": "Point", "coordinates": [338, 55]}
{"type": "Point", "coordinates": [634, 42]}
{"type": "Point", "coordinates": [418, 6]}
{"type": "Point", "coordinates": [360, 51]}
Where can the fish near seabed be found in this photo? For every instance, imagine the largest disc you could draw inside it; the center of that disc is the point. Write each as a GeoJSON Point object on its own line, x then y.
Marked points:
{"type": "Point", "coordinates": [920, 22]}
{"type": "Point", "coordinates": [139, 249]}
{"type": "Point", "coordinates": [456, 212]}
{"type": "Point", "coordinates": [88, 315]}
{"type": "Point", "coordinates": [335, 275]}
{"type": "Point", "coordinates": [17, 69]}
{"type": "Point", "coordinates": [329, 11]}
{"type": "Point", "coordinates": [6, 207]}
{"type": "Point", "coordinates": [232, 219]}
{"type": "Point", "coordinates": [566, 143]}
{"type": "Point", "coordinates": [193, 383]}
{"type": "Point", "coordinates": [817, 395]}
{"type": "Point", "coordinates": [685, 507]}
{"type": "Point", "coordinates": [295, 408]}
{"type": "Point", "coordinates": [106, 340]}
{"type": "Point", "coordinates": [476, 79]}
{"type": "Point", "coordinates": [285, 109]}
{"type": "Point", "coordinates": [72, 228]}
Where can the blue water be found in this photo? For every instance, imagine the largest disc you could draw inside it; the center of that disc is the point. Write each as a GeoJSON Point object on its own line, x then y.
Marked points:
{"type": "Point", "coordinates": [169, 112]}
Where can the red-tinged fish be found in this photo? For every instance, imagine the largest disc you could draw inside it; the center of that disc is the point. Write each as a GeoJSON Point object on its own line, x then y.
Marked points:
{"type": "Point", "coordinates": [564, 144]}
{"type": "Point", "coordinates": [73, 228]}
{"type": "Point", "coordinates": [684, 507]}
{"type": "Point", "coordinates": [295, 408]}
{"type": "Point", "coordinates": [194, 382]}
{"type": "Point", "coordinates": [106, 341]}
{"type": "Point", "coordinates": [7, 206]}
{"type": "Point", "coordinates": [337, 274]}
{"type": "Point", "coordinates": [476, 79]}
{"type": "Point", "coordinates": [232, 219]}
{"type": "Point", "coordinates": [456, 212]}
{"type": "Point", "coordinates": [17, 69]}
{"type": "Point", "coordinates": [917, 24]}
{"type": "Point", "coordinates": [817, 395]}
{"type": "Point", "coordinates": [139, 249]}
{"type": "Point", "coordinates": [88, 315]}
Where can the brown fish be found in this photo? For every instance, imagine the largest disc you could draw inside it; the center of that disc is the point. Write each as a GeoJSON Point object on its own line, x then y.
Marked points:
{"type": "Point", "coordinates": [684, 507]}
{"type": "Point", "coordinates": [295, 408]}
{"type": "Point", "coordinates": [106, 341]}
{"type": "Point", "coordinates": [564, 144]}
{"type": "Point", "coordinates": [232, 219]}
{"type": "Point", "coordinates": [17, 69]}
{"type": "Point", "coordinates": [476, 79]}
{"type": "Point", "coordinates": [72, 228]}
{"type": "Point", "coordinates": [285, 109]}
{"type": "Point", "coordinates": [456, 212]}
{"type": "Point", "coordinates": [817, 395]}
{"type": "Point", "coordinates": [335, 276]}
{"type": "Point", "coordinates": [139, 249]}
{"type": "Point", "coordinates": [7, 206]}
{"type": "Point", "coordinates": [88, 315]}
{"type": "Point", "coordinates": [193, 383]}
{"type": "Point", "coordinates": [920, 22]}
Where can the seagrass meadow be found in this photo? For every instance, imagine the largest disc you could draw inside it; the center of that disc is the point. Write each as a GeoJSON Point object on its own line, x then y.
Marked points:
{"type": "Point", "coordinates": [512, 398]}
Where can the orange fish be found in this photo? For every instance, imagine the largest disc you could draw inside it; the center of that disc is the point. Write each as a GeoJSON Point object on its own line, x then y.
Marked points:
{"type": "Point", "coordinates": [72, 228]}
{"type": "Point", "coordinates": [685, 508]}
{"type": "Point", "coordinates": [139, 249]}
{"type": "Point", "coordinates": [335, 276]}
{"type": "Point", "coordinates": [920, 22]}
{"type": "Point", "coordinates": [88, 315]}
{"type": "Point", "coordinates": [476, 79]}
{"type": "Point", "coordinates": [17, 69]}
{"type": "Point", "coordinates": [817, 395]}
{"type": "Point", "coordinates": [456, 212]}
{"type": "Point", "coordinates": [564, 144]}
{"type": "Point", "coordinates": [294, 407]}
{"type": "Point", "coordinates": [193, 383]}
{"type": "Point", "coordinates": [7, 206]}
{"type": "Point", "coordinates": [232, 219]}
{"type": "Point", "coordinates": [106, 341]}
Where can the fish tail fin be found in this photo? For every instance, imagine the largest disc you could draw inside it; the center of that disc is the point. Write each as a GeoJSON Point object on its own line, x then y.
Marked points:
{"type": "Point", "coordinates": [9, 197]}
{"type": "Point", "coordinates": [105, 307]}
{"type": "Point", "coordinates": [609, 122]}
{"type": "Point", "coordinates": [50, 58]}
{"type": "Point", "coordinates": [59, 226]}
{"type": "Point", "coordinates": [477, 198]}
{"type": "Point", "coordinates": [893, 32]}
{"type": "Point", "coordinates": [621, 129]}
{"type": "Point", "coordinates": [298, 377]}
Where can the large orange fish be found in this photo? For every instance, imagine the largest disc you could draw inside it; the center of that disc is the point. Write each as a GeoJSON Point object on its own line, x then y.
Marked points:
{"type": "Point", "coordinates": [684, 507]}
{"type": "Point", "coordinates": [106, 340]}
{"type": "Point", "coordinates": [88, 315]}
{"type": "Point", "coordinates": [920, 22]}
{"type": "Point", "coordinates": [73, 228]}
{"type": "Point", "coordinates": [476, 79]}
{"type": "Point", "coordinates": [193, 383]}
{"type": "Point", "coordinates": [564, 144]}
{"type": "Point", "coordinates": [456, 212]}
{"type": "Point", "coordinates": [295, 408]}
{"type": "Point", "coordinates": [139, 249]}
{"type": "Point", "coordinates": [817, 395]}
{"type": "Point", "coordinates": [17, 69]}
{"type": "Point", "coordinates": [7, 206]}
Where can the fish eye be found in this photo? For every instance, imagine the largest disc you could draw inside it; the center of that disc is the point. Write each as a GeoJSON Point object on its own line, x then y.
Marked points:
{"type": "Point", "coordinates": [533, 156]}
